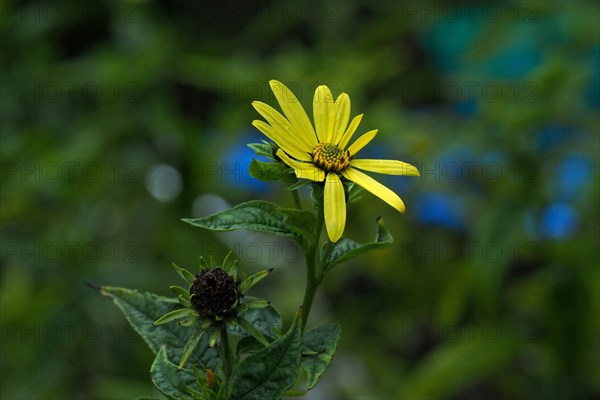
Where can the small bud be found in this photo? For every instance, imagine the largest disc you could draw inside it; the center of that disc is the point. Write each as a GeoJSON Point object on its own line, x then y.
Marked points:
{"type": "Point", "coordinates": [210, 378]}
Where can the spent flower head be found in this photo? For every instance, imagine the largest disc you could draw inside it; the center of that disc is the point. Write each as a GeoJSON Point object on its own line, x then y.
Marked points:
{"type": "Point", "coordinates": [215, 294]}
{"type": "Point", "coordinates": [322, 153]}
{"type": "Point", "coordinates": [214, 297]}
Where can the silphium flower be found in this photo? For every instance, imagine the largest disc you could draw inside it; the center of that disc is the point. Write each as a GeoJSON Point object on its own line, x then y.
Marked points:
{"type": "Point", "coordinates": [322, 153]}
{"type": "Point", "coordinates": [214, 297]}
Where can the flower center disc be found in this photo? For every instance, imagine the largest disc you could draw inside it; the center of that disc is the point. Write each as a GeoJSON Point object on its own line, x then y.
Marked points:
{"type": "Point", "coordinates": [330, 158]}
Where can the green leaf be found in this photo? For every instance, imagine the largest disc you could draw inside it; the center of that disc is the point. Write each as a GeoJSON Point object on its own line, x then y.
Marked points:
{"type": "Point", "coordinates": [248, 327]}
{"type": "Point", "coordinates": [354, 192]}
{"type": "Point", "coordinates": [142, 309]}
{"type": "Point", "coordinates": [190, 346]}
{"type": "Point", "coordinates": [266, 320]}
{"type": "Point", "coordinates": [184, 273]}
{"type": "Point", "coordinates": [184, 301]}
{"type": "Point", "coordinates": [175, 314]}
{"type": "Point", "coordinates": [248, 345]}
{"type": "Point", "coordinates": [213, 336]}
{"type": "Point", "coordinates": [316, 193]}
{"type": "Point", "coordinates": [255, 303]}
{"type": "Point", "coordinates": [268, 373]}
{"type": "Point", "coordinates": [299, 183]}
{"type": "Point", "coordinates": [228, 262]}
{"type": "Point", "coordinates": [170, 380]}
{"type": "Point", "coordinates": [345, 249]}
{"type": "Point", "coordinates": [304, 223]}
{"type": "Point", "coordinates": [267, 171]}
{"type": "Point", "coordinates": [203, 264]}
{"type": "Point", "coordinates": [211, 262]}
{"type": "Point", "coordinates": [182, 294]}
{"type": "Point", "coordinates": [254, 279]}
{"type": "Point", "coordinates": [179, 291]}
{"type": "Point", "coordinates": [263, 149]}
{"type": "Point", "coordinates": [318, 347]}
{"type": "Point", "coordinates": [233, 271]}
{"type": "Point", "coordinates": [256, 215]}
{"type": "Point", "coordinates": [188, 321]}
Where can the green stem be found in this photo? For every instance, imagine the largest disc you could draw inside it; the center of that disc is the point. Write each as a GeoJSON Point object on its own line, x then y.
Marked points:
{"type": "Point", "coordinates": [296, 197]}
{"type": "Point", "coordinates": [311, 287]}
{"type": "Point", "coordinates": [313, 276]}
{"type": "Point", "coordinates": [226, 353]}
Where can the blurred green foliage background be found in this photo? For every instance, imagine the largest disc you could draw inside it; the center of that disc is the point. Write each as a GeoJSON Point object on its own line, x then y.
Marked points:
{"type": "Point", "coordinates": [118, 118]}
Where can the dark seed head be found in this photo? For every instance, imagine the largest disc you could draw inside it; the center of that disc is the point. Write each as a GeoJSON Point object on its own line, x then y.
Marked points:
{"type": "Point", "coordinates": [213, 293]}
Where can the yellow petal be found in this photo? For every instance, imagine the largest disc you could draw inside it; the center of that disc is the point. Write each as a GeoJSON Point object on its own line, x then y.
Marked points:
{"type": "Point", "coordinates": [342, 114]}
{"type": "Point", "coordinates": [280, 123]}
{"type": "Point", "coordinates": [324, 113]}
{"type": "Point", "coordinates": [334, 203]}
{"type": "Point", "coordinates": [295, 113]}
{"type": "Point", "coordinates": [390, 167]}
{"type": "Point", "coordinates": [349, 132]}
{"type": "Point", "coordinates": [282, 139]}
{"type": "Point", "coordinates": [302, 170]}
{"type": "Point", "coordinates": [361, 142]}
{"type": "Point", "coordinates": [379, 190]}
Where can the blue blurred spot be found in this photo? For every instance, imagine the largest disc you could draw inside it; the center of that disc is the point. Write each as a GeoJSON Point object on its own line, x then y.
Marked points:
{"type": "Point", "coordinates": [450, 41]}
{"type": "Point", "coordinates": [593, 89]}
{"type": "Point", "coordinates": [466, 108]}
{"type": "Point", "coordinates": [399, 184]}
{"type": "Point", "coordinates": [517, 60]}
{"type": "Point", "coordinates": [552, 136]}
{"type": "Point", "coordinates": [454, 164]}
{"type": "Point", "coordinates": [238, 160]}
{"type": "Point", "coordinates": [374, 150]}
{"type": "Point", "coordinates": [440, 209]}
{"type": "Point", "coordinates": [558, 221]}
{"type": "Point", "coordinates": [494, 157]}
{"type": "Point", "coordinates": [573, 173]}
{"type": "Point", "coordinates": [458, 154]}
{"type": "Point", "coordinates": [529, 222]}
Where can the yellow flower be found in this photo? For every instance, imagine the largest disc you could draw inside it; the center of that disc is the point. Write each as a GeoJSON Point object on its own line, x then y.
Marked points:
{"type": "Point", "coordinates": [322, 153]}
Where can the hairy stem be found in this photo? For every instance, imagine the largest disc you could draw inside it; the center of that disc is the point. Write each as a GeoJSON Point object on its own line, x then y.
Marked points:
{"type": "Point", "coordinates": [311, 287]}
{"type": "Point", "coordinates": [313, 264]}
{"type": "Point", "coordinates": [226, 354]}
